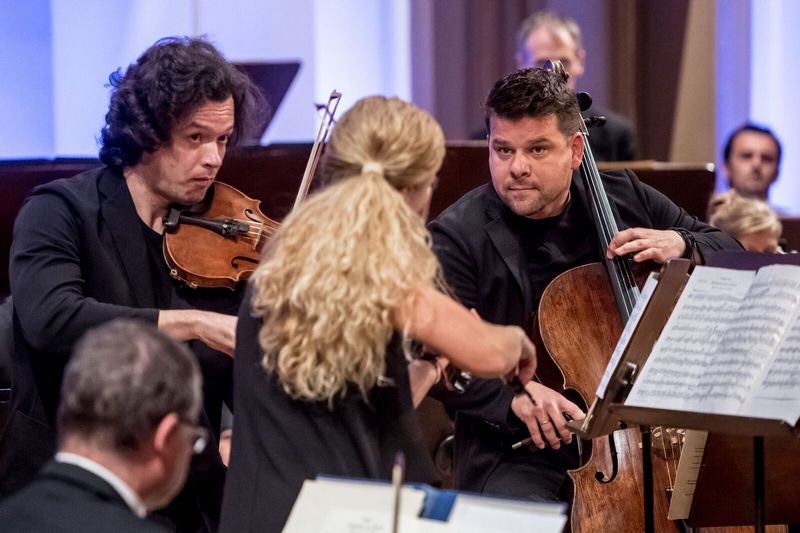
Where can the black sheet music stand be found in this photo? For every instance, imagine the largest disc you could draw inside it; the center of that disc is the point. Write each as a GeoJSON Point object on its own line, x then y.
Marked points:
{"type": "Point", "coordinates": [274, 80]}
{"type": "Point", "coordinates": [725, 482]}
{"type": "Point", "coordinates": [606, 413]}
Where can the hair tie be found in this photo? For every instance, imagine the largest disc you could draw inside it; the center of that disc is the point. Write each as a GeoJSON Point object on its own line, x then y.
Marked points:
{"type": "Point", "coordinates": [372, 166]}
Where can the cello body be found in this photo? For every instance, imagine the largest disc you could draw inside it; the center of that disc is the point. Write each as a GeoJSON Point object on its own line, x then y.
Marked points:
{"type": "Point", "coordinates": [579, 327]}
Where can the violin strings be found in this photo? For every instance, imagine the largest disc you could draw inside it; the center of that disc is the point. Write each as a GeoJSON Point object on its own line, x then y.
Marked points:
{"type": "Point", "coordinates": [255, 230]}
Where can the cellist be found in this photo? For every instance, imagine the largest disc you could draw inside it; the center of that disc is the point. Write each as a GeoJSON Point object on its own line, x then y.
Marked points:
{"type": "Point", "coordinates": [502, 243]}
{"type": "Point", "coordinates": [87, 250]}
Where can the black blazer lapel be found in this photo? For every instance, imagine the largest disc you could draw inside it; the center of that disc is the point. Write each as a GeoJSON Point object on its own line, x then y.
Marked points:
{"type": "Point", "coordinates": [82, 479]}
{"type": "Point", "coordinates": [119, 214]}
{"type": "Point", "coordinates": [508, 247]}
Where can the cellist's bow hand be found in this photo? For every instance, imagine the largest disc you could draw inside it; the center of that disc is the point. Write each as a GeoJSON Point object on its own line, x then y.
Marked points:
{"type": "Point", "coordinates": [547, 418]}
{"type": "Point", "coordinates": [645, 244]}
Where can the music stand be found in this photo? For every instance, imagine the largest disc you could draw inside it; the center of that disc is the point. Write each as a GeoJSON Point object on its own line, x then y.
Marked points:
{"type": "Point", "coordinates": [274, 80]}
{"type": "Point", "coordinates": [611, 408]}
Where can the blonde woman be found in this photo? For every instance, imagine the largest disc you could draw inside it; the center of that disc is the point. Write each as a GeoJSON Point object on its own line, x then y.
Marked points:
{"type": "Point", "coordinates": [321, 371]}
{"type": "Point", "coordinates": [750, 220]}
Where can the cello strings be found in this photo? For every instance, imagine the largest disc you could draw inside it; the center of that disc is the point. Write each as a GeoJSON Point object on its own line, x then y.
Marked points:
{"type": "Point", "coordinates": [675, 441]}
{"type": "Point", "coordinates": [623, 271]}
{"type": "Point", "coordinates": [608, 229]}
{"type": "Point", "coordinates": [671, 455]}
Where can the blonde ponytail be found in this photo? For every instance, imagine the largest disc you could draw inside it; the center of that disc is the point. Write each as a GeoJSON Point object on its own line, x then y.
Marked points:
{"type": "Point", "coordinates": [339, 266]}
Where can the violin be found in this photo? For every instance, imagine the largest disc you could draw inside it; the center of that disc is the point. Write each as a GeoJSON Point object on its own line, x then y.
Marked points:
{"type": "Point", "coordinates": [579, 320]}
{"type": "Point", "coordinates": [218, 242]}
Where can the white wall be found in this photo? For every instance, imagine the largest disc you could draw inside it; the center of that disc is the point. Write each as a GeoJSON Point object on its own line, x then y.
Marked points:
{"type": "Point", "coordinates": [774, 86]}
{"type": "Point", "coordinates": [26, 113]}
{"type": "Point", "coordinates": [91, 39]}
{"type": "Point", "coordinates": [59, 94]}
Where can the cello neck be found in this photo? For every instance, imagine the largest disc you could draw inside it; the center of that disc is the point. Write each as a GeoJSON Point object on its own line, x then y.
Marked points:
{"type": "Point", "coordinates": [619, 269]}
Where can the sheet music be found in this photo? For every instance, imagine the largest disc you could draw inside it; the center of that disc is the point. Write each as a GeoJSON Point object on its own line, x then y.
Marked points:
{"type": "Point", "coordinates": [365, 521]}
{"type": "Point", "coordinates": [473, 514]}
{"type": "Point", "coordinates": [641, 303]}
{"type": "Point", "coordinates": [776, 393]}
{"type": "Point", "coordinates": [339, 505]}
{"type": "Point", "coordinates": [690, 339]}
{"type": "Point", "coordinates": [352, 506]}
{"type": "Point", "coordinates": [748, 345]}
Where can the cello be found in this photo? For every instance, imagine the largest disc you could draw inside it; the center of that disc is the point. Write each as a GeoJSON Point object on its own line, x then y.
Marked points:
{"type": "Point", "coordinates": [579, 320]}
{"type": "Point", "coordinates": [218, 242]}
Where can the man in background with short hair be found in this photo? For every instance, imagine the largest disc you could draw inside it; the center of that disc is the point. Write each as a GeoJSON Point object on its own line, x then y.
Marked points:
{"type": "Point", "coordinates": [547, 35]}
{"type": "Point", "coordinates": [752, 158]}
{"type": "Point", "coordinates": [127, 428]}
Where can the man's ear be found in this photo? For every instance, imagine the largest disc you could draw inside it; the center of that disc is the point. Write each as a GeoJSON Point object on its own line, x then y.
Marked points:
{"type": "Point", "coordinates": [165, 431]}
{"type": "Point", "coordinates": [577, 145]}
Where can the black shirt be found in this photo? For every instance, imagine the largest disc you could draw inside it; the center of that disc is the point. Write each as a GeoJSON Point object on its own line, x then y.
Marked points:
{"type": "Point", "coordinates": [555, 244]}
{"type": "Point", "coordinates": [164, 286]}
{"type": "Point", "coordinates": [279, 442]}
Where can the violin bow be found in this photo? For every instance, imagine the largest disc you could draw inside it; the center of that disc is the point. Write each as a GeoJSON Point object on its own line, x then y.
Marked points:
{"type": "Point", "coordinates": [316, 150]}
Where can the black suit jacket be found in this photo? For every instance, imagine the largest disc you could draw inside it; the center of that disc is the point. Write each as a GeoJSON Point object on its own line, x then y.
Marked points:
{"type": "Point", "coordinates": [79, 259]}
{"type": "Point", "coordinates": [65, 498]}
{"type": "Point", "coordinates": [486, 266]}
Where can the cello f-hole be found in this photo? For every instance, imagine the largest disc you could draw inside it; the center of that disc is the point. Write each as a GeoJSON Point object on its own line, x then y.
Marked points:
{"type": "Point", "coordinates": [612, 449]}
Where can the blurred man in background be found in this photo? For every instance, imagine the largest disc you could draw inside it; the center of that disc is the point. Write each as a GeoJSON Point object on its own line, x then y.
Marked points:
{"type": "Point", "coordinates": [752, 160]}
{"type": "Point", "coordinates": [548, 35]}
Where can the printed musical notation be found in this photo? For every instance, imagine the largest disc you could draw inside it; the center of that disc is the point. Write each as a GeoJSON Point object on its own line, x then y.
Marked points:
{"type": "Point", "coordinates": [731, 346]}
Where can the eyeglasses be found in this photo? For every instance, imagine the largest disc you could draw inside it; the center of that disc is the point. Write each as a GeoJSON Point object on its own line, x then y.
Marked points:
{"type": "Point", "coordinates": [198, 437]}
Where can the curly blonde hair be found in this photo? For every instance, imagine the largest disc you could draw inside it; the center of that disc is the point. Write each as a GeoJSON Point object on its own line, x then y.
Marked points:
{"type": "Point", "coordinates": [341, 263]}
{"type": "Point", "coordinates": [740, 215]}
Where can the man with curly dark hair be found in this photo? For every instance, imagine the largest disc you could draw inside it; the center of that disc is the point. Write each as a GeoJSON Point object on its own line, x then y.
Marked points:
{"type": "Point", "coordinates": [87, 250]}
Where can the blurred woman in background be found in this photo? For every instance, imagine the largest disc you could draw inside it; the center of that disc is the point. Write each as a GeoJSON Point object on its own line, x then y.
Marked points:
{"type": "Point", "coordinates": [751, 221]}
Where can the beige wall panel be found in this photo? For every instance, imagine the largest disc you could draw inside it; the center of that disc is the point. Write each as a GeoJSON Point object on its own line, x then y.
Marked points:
{"type": "Point", "coordinates": [695, 106]}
